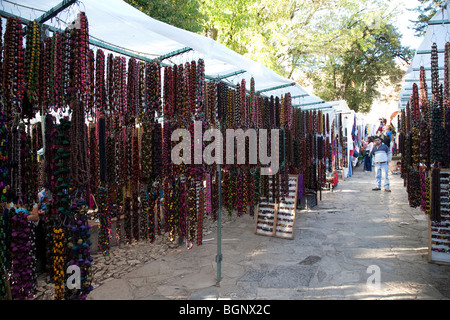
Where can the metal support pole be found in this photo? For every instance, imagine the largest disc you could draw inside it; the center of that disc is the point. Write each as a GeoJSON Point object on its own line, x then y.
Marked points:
{"type": "Point", "coordinates": [231, 74]}
{"type": "Point", "coordinates": [219, 229]}
{"type": "Point", "coordinates": [174, 53]}
{"type": "Point", "coordinates": [219, 224]}
{"type": "Point", "coordinates": [55, 10]}
{"type": "Point", "coordinates": [277, 87]}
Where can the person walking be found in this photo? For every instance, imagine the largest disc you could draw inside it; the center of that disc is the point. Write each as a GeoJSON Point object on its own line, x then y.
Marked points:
{"type": "Point", "coordinates": [382, 156]}
{"type": "Point", "coordinates": [367, 158]}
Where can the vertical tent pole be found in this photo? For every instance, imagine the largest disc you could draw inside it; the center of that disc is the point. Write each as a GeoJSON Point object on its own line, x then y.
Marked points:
{"type": "Point", "coordinates": [219, 224]}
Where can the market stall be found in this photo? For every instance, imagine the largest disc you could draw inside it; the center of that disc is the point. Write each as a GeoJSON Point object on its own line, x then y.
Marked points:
{"type": "Point", "coordinates": [89, 128]}
{"type": "Point", "coordinates": [424, 139]}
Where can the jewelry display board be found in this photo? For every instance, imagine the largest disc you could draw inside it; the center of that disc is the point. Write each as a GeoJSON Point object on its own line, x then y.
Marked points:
{"type": "Point", "coordinates": [278, 219]}
{"type": "Point", "coordinates": [265, 217]}
{"type": "Point", "coordinates": [439, 232]}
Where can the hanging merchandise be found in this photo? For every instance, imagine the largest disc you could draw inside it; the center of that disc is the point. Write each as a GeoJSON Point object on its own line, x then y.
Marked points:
{"type": "Point", "coordinates": [200, 88]}
{"type": "Point", "coordinates": [106, 138]}
{"type": "Point", "coordinates": [424, 204]}
{"type": "Point", "coordinates": [157, 151]}
{"type": "Point", "coordinates": [111, 165]}
{"type": "Point", "coordinates": [23, 260]}
{"type": "Point", "coordinates": [415, 145]}
{"type": "Point", "coordinates": [151, 202]}
{"type": "Point", "coordinates": [437, 150]}
{"type": "Point", "coordinates": [4, 159]}
{"type": "Point", "coordinates": [4, 254]}
{"type": "Point", "coordinates": [135, 215]}
{"type": "Point", "coordinates": [241, 192]}
{"type": "Point", "coordinates": [31, 65]}
{"type": "Point", "coordinates": [79, 256]}
{"type": "Point", "coordinates": [435, 201]}
{"type": "Point", "coordinates": [100, 82]}
{"type": "Point", "coordinates": [423, 143]}
{"type": "Point", "coordinates": [446, 71]}
{"type": "Point", "coordinates": [147, 153]}
{"type": "Point", "coordinates": [104, 215]}
{"type": "Point", "coordinates": [434, 71]}
{"type": "Point", "coordinates": [200, 215]}
{"type": "Point", "coordinates": [63, 185]}
{"type": "Point", "coordinates": [79, 161]}
{"type": "Point", "coordinates": [446, 158]}
{"type": "Point", "coordinates": [423, 94]}
{"type": "Point", "coordinates": [135, 157]}
{"type": "Point", "coordinates": [93, 160]}
{"type": "Point", "coordinates": [126, 220]}
{"type": "Point", "coordinates": [208, 195]}
{"type": "Point", "coordinates": [13, 70]}
{"type": "Point", "coordinates": [81, 59]}
{"type": "Point", "coordinates": [252, 106]}
{"type": "Point", "coordinates": [1, 60]}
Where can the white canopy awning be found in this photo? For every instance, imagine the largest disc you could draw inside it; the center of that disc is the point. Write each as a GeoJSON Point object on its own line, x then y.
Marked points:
{"type": "Point", "coordinates": [118, 24]}
{"type": "Point", "coordinates": [438, 31]}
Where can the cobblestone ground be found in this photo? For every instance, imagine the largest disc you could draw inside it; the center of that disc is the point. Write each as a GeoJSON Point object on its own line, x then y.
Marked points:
{"type": "Point", "coordinates": [352, 233]}
{"type": "Point", "coordinates": [128, 257]}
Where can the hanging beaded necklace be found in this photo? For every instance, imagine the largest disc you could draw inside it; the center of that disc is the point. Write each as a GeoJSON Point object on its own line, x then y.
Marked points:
{"type": "Point", "coordinates": [168, 92]}
{"type": "Point", "coordinates": [58, 262]}
{"type": "Point", "coordinates": [100, 82]}
{"type": "Point", "coordinates": [4, 248]}
{"type": "Point", "coordinates": [282, 111]}
{"type": "Point", "coordinates": [23, 260]}
{"type": "Point", "coordinates": [4, 158]}
{"type": "Point", "coordinates": [191, 77]}
{"type": "Point", "coordinates": [244, 116]}
{"type": "Point", "coordinates": [434, 71]}
{"type": "Point", "coordinates": [447, 71]}
{"type": "Point", "coordinates": [135, 215]}
{"type": "Point", "coordinates": [32, 59]}
{"type": "Point", "coordinates": [200, 89]}
{"type": "Point", "coordinates": [80, 253]}
{"type": "Point", "coordinates": [81, 54]}
{"type": "Point", "coordinates": [437, 152]}
{"type": "Point", "coordinates": [239, 202]}
{"type": "Point", "coordinates": [201, 213]}
{"type": "Point", "coordinates": [13, 67]}
{"type": "Point", "coordinates": [1, 60]}
{"type": "Point", "coordinates": [79, 147]}
{"type": "Point", "coordinates": [252, 121]}
{"type": "Point", "coordinates": [57, 70]}
{"type": "Point", "coordinates": [135, 169]}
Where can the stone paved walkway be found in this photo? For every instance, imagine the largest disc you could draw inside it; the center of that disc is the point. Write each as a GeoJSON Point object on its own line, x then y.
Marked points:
{"type": "Point", "coordinates": [351, 230]}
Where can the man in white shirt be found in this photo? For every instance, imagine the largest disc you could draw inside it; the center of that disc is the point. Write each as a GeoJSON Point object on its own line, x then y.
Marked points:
{"type": "Point", "coordinates": [382, 156]}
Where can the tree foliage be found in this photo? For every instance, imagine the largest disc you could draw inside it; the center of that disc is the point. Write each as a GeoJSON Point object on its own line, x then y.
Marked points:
{"type": "Point", "coordinates": [426, 10]}
{"type": "Point", "coordinates": [345, 48]}
{"type": "Point", "coordinates": [184, 14]}
{"type": "Point", "coordinates": [356, 73]}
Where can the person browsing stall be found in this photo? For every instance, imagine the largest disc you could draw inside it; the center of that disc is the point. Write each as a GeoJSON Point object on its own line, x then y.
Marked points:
{"type": "Point", "coordinates": [382, 155]}
{"type": "Point", "coordinates": [367, 158]}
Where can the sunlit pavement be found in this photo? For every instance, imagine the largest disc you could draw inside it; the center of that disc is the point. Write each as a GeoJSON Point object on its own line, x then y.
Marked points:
{"type": "Point", "coordinates": [355, 244]}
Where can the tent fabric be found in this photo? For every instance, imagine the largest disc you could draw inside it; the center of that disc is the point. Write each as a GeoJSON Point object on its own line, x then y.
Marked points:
{"type": "Point", "coordinates": [438, 31]}
{"type": "Point", "coordinates": [119, 24]}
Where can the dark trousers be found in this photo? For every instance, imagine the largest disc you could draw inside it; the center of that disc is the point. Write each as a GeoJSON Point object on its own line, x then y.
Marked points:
{"type": "Point", "coordinates": [367, 163]}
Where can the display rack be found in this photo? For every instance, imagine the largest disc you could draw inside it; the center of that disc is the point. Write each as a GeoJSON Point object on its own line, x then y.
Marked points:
{"type": "Point", "coordinates": [278, 219]}
{"type": "Point", "coordinates": [285, 222]}
{"type": "Point", "coordinates": [439, 232]}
